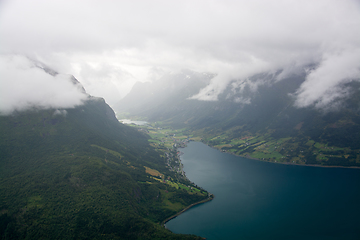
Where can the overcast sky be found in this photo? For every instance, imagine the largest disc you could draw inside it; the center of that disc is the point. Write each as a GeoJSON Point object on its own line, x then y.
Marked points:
{"type": "Point", "coordinates": [109, 45]}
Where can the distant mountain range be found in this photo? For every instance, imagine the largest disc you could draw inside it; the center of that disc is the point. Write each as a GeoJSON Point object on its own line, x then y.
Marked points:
{"type": "Point", "coordinates": [78, 173]}
{"type": "Point", "coordinates": [168, 91]}
{"type": "Point", "coordinates": [256, 118]}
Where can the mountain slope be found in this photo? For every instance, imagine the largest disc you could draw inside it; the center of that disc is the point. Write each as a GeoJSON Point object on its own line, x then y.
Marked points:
{"type": "Point", "coordinates": [258, 118]}
{"type": "Point", "coordinates": [164, 93]}
{"type": "Point", "coordinates": [79, 174]}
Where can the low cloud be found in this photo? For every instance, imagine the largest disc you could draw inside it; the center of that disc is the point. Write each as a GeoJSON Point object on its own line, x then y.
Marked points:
{"type": "Point", "coordinates": [325, 84]}
{"type": "Point", "coordinates": [103, 80]}
{"type": "Point", "coordinates": [121, 42]}
{"type": "Point", "coordinates": [62, 112]}
{"type": "Point", "coordinates": [23, 86]}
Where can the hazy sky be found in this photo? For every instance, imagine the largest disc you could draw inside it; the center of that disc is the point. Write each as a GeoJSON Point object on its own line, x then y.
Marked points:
{"type": "Point", "coordinates": [109, 45]}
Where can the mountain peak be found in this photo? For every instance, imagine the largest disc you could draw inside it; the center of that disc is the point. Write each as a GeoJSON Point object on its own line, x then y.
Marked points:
{"type": "Point", "coordinates": [35, 85]}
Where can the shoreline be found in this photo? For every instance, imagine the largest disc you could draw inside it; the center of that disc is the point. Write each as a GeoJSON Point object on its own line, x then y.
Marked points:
{"type": "Point", "coordinates": [257, 159]}
{"type": "Point", "coordinates": [211, 197]}
{"type": "Point", "coordinates": [285, 163]}
{"type": "Point", "coordinates": [295, 164]}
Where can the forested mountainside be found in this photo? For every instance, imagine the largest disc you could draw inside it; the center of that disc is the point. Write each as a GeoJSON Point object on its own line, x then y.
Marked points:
{"type": "Point", "coordinates": [258, 118]}
{"type": "Point", "coordinates": [78, 173]}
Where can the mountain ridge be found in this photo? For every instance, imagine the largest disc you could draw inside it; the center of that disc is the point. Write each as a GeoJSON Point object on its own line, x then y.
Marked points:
{"type": "Point", "coordinates": [77, 173]}
{"type": "Point", "coordinates": [263, 110]}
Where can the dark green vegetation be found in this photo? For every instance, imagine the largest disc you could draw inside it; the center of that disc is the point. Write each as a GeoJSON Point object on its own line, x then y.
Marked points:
{"type": "Point", "coordinates": [260, 122]}
{"type": "Point", "coordinates": [83, 175]}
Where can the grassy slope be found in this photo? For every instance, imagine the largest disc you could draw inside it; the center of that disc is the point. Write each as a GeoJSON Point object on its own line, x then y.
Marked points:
{"type": "Point", "coordinates": [297, 150]}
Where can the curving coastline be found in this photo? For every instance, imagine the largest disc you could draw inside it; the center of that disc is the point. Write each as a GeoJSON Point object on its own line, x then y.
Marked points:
{"type": "Point", "coordinates": [211, 197]}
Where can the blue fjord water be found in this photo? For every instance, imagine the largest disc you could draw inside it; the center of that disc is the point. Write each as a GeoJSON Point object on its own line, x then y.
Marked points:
{"type": "Point", "coordinates": [260, 200]}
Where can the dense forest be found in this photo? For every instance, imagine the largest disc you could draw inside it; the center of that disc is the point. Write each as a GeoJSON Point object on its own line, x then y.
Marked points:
{"type": "Point", "coordinates": [80, 174]}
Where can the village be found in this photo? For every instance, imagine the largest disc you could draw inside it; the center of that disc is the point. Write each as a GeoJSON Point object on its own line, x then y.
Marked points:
{"type": "Point", "coordinates": [168, 141]}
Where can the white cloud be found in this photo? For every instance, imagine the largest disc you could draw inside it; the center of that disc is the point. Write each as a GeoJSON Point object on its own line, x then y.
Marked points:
{"type": "Point", "coordinates": [24, 86]}
{"type": "Point", "coordinates": [324, 84]}
{"type": "Point", "coordinates": [62, 112]}
{"type": "Point", "coordinates": [234, 39]}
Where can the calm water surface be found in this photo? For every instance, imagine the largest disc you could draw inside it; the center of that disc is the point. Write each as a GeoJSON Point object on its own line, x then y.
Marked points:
{"type": "Point", "coordinates": [260, 200]}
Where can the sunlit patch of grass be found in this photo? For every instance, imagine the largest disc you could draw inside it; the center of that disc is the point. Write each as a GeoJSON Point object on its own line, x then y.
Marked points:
{"type": "Point", "coordinates": [224, 145]}
{"type": "Point", "coordinates": [108, 150]}
{"type": "Point", "coordinates": [153, 172]}
{"type": "Point", "coordinates": [195, 138]}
